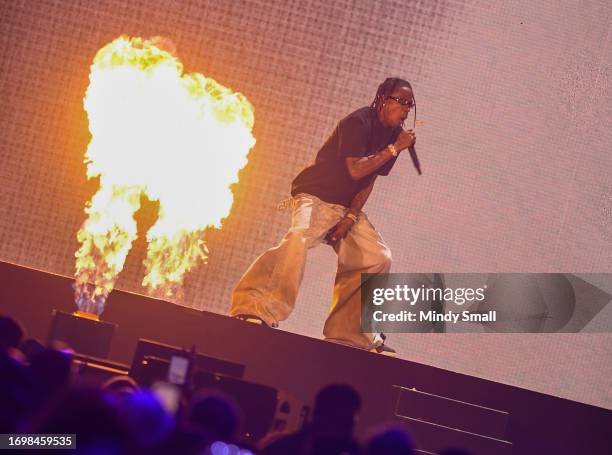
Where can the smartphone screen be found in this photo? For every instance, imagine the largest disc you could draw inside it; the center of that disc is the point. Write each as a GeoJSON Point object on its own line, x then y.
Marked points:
{"type": "Point", "coordinates": [177, 372]}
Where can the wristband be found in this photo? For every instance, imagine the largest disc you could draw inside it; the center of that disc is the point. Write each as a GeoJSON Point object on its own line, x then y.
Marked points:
{"type": "Point", "coordinates": [392, 149]}
{"type": "Point", "coordinates": [351, 217]}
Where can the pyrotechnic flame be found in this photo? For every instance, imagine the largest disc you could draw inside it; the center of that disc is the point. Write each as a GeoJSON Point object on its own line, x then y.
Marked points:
{"type": "Point", "coordinates": [178, 138]}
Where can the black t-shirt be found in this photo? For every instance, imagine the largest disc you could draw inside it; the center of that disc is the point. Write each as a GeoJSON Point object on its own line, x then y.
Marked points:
{"type": "Point", "coordinates": [358, 134]}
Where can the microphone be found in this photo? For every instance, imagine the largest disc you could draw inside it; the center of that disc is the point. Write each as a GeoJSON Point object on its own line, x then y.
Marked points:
{"type": "Point", "coordinates": [413, 154]}
{"type": "Point", "coordinates": [415, 159]}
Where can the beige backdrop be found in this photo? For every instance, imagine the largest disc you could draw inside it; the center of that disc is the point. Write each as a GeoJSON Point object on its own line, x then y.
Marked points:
{"type": "Point", "coordinates": [515, 147]}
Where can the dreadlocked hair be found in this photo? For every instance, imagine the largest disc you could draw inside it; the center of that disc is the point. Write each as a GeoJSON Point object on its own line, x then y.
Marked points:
{"type": "Point", "coordinates": [386, 88]}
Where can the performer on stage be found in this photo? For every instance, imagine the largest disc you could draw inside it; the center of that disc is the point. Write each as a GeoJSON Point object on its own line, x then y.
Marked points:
{"type": "Point", "coordinates": [327, 200]}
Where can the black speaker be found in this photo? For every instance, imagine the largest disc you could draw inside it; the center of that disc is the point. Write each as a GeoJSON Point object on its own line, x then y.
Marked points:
{"type": "Point", "coordinates": [83, 332]}
{"type": "Point", "coordinates": [146, 368]}
{"type": "Point", "coordinates": [258, 402]}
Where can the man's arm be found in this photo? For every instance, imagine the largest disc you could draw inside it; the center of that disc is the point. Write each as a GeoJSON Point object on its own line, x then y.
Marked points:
{"type": "Point", "coordinates": [340, 230]}
{"type": "Point", "coordinates": [359, 167]}
{"type": "Point", "coordinates": [360, 198]}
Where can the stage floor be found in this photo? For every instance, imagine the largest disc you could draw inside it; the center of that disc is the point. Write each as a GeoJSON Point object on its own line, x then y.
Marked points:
{"type": "Point", "coordinates": [440, 407]}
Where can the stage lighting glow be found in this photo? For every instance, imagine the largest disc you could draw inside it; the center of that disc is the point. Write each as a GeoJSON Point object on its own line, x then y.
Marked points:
{"type": "Point", "coordinates": [178, 138]}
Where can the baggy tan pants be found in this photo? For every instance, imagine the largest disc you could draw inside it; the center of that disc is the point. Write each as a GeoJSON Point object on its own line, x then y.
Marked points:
{"type": "Point", "coordinates": [269, 288]}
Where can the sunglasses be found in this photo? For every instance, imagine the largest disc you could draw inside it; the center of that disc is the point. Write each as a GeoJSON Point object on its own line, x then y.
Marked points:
{"type": "Point", "coordinates": [402, 101]}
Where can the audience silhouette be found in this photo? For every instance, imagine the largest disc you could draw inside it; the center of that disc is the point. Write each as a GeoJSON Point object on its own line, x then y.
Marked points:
{"type": "Point", "coordinates": [40, 393]}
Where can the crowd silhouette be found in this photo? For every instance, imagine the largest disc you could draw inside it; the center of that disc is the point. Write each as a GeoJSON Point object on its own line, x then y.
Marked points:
{"type": "Point", "coordinates": [40, 393]}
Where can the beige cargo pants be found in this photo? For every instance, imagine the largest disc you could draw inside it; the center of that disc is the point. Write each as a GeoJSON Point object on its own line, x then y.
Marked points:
{"type": "Point", "coordinates": [269, 288]}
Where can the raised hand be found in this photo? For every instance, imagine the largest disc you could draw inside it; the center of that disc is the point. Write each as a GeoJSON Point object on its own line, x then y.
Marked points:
{"type": "Point", "coordinates": [406, 139]}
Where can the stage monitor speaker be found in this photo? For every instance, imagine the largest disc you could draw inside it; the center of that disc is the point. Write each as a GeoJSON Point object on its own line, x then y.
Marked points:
{"type": "Point", "coordinates": [258, 402]}
{"type": "Point", "coordinates": [152, 349]}
{"type": "Point", "coordinates": [266, 410]}
{"type": "Point", "coordinates": [82, 332]}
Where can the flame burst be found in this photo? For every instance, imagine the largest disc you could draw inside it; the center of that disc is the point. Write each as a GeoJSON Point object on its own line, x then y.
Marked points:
{"type": "Point", "coordinates": [180, 139]}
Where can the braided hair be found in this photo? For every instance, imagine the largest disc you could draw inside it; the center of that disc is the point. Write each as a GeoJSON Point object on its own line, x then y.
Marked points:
{"type": "Point", "coordinates": [386, 88]}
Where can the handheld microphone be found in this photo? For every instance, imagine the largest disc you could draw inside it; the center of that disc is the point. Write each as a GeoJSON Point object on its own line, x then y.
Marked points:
{"type": "Point", "coordinates": [412, 150]}
{"type": "Point", "coordinates": [415, 159]}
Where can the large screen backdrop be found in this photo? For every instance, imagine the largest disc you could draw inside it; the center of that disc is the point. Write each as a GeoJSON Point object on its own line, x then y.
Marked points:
{"type": "Point", "coordinates": [515, 148]}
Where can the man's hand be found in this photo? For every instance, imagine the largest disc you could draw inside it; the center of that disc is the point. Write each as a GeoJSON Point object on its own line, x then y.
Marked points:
{"type": "Point", "coordinates": [406, 139]}
{"type": "Point", "coordinates": [339, 231]}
